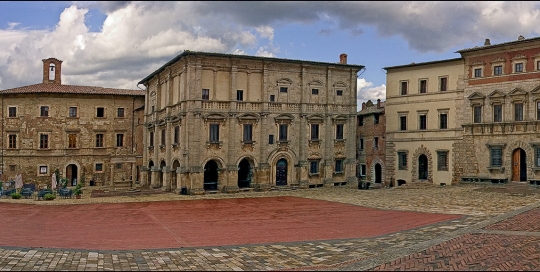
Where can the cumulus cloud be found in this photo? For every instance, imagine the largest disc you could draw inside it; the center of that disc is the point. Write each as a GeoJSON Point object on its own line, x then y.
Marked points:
{"type": "Point", "coordinates": [138, 37]}
{"type": "Point", "coordinates": [366, 91]}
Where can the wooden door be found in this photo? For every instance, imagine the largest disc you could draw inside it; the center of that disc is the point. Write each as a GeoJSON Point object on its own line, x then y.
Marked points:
{"type": "Point", "coordinates": [515, 165]}
{"type": "Point", "coordinates": [281, 172]}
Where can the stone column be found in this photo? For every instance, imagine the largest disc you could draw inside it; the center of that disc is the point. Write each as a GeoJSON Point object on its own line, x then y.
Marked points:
{"type": "Point", "coordinates": [166, 179]}
{"type": "Point", "coordinates": [154, 183]}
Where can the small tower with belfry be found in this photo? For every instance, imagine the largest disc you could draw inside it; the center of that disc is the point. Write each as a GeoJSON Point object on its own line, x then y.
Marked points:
{"type": "Point", "coordinates": [52, 70]}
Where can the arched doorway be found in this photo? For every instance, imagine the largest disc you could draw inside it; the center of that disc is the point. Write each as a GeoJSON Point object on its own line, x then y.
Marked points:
{"type": "Point", "coordinates": [210, 176]}
{"type": "Point", "coordinates": [281, 172]}
{"type": "Point", "coordinates": [71, 174]}
{"type": "Point", "coordinates": [245, 172]}
{"type": "Point", "coordinates": [378, 173]}
{"type": "Point", "coordinates": [422, 167]}
{"type": "Point", "coordinates": [176, 166]}
{"type": "Point", "coordinates": [150, 166]}
{"type": "Point", "coordinates": [162, 166]}
{"type": "Point", "coordinates": [519, 165]}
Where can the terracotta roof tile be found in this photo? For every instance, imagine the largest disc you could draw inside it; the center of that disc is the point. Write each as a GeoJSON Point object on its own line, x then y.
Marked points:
{"type": "Point", "coordinates": [70, 89]}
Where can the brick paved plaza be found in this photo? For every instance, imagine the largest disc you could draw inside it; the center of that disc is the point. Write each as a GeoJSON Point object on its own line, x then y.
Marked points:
{"type": "Point", "coordinates": [465, 227]}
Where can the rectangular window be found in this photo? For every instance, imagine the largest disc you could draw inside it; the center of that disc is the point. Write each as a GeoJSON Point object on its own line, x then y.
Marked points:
{"type": "Point", "coordinates": [518, 112]}
{"type": "Point", "coordinates": [339, 131]}
{"type": "Point", "coordinates": [339, 92]}
{"type": "Point", "coordinates": [314, 167]}
{"type": "Point", "coordinates": [100, 112]}
{"type": "Point", "coordinates": [477, 114]}
{"type": "Point", "coordinates": [44, 111]}
{"type": "Point", "coordinates": [360, 121]}
{"type": "Point", "coordinates": [376, 142]}
{"type": "Point", "coordinates": [518, 67]}
{"type": "Point", "coordinates": [478, 72]}
{"type": "Point", "coordinates": [442, 160]}
{"type": "Point", "coordinates": [283, 132]}
{"type": "Point", "coordinates": [314, 132]}
{"type": "Point", "coordinates": [362, 170]}
{"type": "Point", "coordinates": [99, 140]}
{"type": "Point", "coordinates": [270, 139]}
{"type": "Point", "coordinates": [214, 133]}
{"type": "Point", "coordinates": [72, 112]}
{"type": "Point", "coordinates": [119, 140]}
{"type": "Point", "coordinates": [339, 166]}
{"type": "Point", "coordinates": [272, 98]}
{"type": "Point", "coordinates": [176, 134]}
{"type": "Point", "coordinates": [404, 86]}
{"type": "Point", "coordinates": [403, 123]}
{"type": "Point", "coordinates": [443, 118]}
{"type": "Point", "coordinates": [248, 133]}
{"type": "Point", "coordinates": [151, 139]}
{"type": "Point", "coordinates": [376, 118]}
{"type": "Point", "coordinates": [361, 144]}
{"type": "Point", "coordinates": [120, 113]}
{"type": "Point", "coordinates": [163, 135]}
{"type": "Point", "coordinates": [538, 65]}
{"type": "Point", "coordinates": [497, 70]}
{"type": "Point", "coordinates": [239, 95]}
{"type": "Point", "coordinates": [423, 86]}
{"type": "Point", "coordinates": [443, 84]}
{"type": "Point", "coordinates": [497, 113]}
{"type": "Point", "coordinates": [43, 141]}
{"type": "Point", "coordinates": [205, 94]}
{"type": "Point", "coordinates": [538, 110]}
{"type": "Point", "coordinates": [12, 112]}
{"type": "Point", "coordinates": [72, 140]}
{"type": "Point", "coordinates": [537, 156]}
{"type": "Point", "coordinates": [402, 160]}
{"type": "Point", "coordinates": [118, 166]}
{"type": "Point", "coordinates": [12, 141]}
{"type": "Point", "coordinates": [43, 169]}
{"type": "Point", "coordinates": [496, 156]}
{"type": "Point", "coordinates": [283, 89]}
{"type": "Point", "coordinates": [315, 91]}
{"type": "Point", "coordinates": [99, 167]}
{"type": "Point", "coordinates": [422, 122]}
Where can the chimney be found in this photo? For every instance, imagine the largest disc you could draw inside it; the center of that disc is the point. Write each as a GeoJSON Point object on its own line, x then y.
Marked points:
{"type": "Point", "coordinates": [487, 42]}
{"type": "Point", "coordinates": [52, 70]}
{"type": "Point", "coordinates": [521, 38]}
{"type": "Point", "coordinates": [363, 105]}
{"type": "Point", "coordinates": [343, 58]}
{"type": "Point", "coordinates": [378, 103]}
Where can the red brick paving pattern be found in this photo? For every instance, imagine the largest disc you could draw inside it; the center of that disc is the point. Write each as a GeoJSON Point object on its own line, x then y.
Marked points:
{"type": "Point", "coordinates": [527, 221]}
{"type": "Point", "coordinates": [474, 252]}
{"type": "Point", "coordinates": [193, 223]}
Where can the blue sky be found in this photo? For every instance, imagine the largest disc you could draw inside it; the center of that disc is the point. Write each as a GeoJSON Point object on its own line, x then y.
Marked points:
{"type": "Point", "coordinates": [116, 44]}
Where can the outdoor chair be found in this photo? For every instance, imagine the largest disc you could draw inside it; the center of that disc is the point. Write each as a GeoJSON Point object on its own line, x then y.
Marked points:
{"type": "Point", "coordinates": [65, 193]}
{"type": "Point", "coordinates": [7, 193]}
{"type": "Point", "coordinates": [41, 194]}
{"type": "Point", "coordinates": [27, 192]}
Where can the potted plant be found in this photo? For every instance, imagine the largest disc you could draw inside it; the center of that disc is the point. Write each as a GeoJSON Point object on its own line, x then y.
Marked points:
{"type": "Point", "coordinates": [16, 195]}
{"type": "Point", "coordinates": [78, 191]}
{"type": "Point", "coordinates": [49, 196]}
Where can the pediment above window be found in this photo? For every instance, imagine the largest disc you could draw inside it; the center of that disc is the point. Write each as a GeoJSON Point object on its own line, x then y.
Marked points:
{"type": "Point", "coordinates": [476, 98]}
{"type": "Point", "coordinates": [284, 81]}
{"type": "Point", "coordinates": [518, 94]}
{"type": "Point", "coordinates": [496, 97]}
{"type": "Point", "coordinates": [315, 156]}
{"type": "Point", "coordinates": [517, 57]}
{"type": "Point", "coordinates": [536, 90]}
{"type": "Point", "coordinates": [315, 119]}
{"type": "Point", "coordinates": [339, 119]}
{"type": "Point", "coordinates": [315, 83]}
{"type": "Point", "coordinates": [497, 60]}
{"type": "Point", "coordinates": [248, 118]}
{"type": "Point", "coordinates": [340, 84]}
{"type": "Point", "coordinates": [284, 118]}
{"type": "Point", "coordinates": [215, 117]}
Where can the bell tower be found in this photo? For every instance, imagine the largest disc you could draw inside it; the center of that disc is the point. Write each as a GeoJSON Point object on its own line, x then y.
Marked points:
{"type": "Point", "coordinates": [52, 70]}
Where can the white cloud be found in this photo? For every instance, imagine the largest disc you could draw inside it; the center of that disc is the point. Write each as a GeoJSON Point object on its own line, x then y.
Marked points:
{"type": "Point", "coordinates": [266, 32]}
{"type": "Point", "coordinates": [366, 91]}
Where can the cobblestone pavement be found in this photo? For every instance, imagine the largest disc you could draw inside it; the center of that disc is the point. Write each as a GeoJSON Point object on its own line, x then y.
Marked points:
{"type": "Point", "coordinates": [499, 232]}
